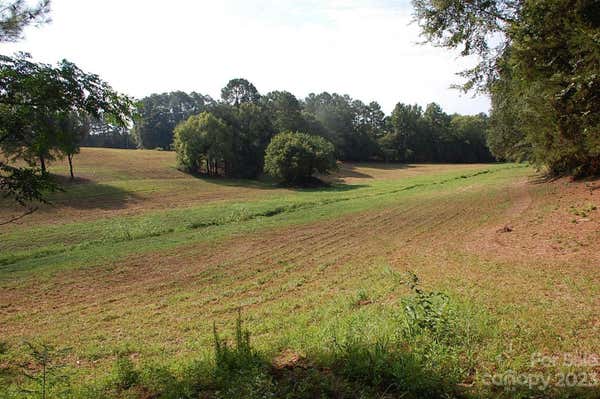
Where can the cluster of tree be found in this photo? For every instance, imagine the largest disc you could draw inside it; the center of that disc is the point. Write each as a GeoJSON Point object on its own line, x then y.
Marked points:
{"type": "Point", "coordinates": [45, 111]}
{"type": "Point", "coordinates": [158, 114]}
{"type": "Point", "coordinates": [357, 130]}
{"type": "Point", "coordinates": [228, 140]}
{"type": "Point", "coordinates": [539, 62]}
{"type": "Point", "coordinates": [415, 135]}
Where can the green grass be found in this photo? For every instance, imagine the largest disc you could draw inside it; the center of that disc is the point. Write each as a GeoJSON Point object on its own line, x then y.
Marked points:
{"type": "Point", "coordinates": [319, 276]}
{"type": "Point", "coordinates": [84, 244]}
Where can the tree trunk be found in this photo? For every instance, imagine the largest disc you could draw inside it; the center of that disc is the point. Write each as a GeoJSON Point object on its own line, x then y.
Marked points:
{"type": "Point", "coordinates": [43, 164]}
{"type": "Point", "coordinates": [70, 157]}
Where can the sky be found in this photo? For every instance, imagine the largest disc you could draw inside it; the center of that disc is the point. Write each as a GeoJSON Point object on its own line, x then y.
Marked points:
{"type": "Point", "coordinates": [369, 49]}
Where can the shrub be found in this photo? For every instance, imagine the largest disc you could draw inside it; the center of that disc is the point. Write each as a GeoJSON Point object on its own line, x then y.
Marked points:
{"type": "Point", "coordinates": [293, 157]}
{"type": "Point", "coordinates": [426, 311]}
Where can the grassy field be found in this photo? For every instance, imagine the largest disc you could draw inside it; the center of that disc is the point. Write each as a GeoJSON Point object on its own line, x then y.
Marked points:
{"type": "Point", "coordinates": [131, 265]}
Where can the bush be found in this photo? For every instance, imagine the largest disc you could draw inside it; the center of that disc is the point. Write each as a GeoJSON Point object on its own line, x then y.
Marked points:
{"type": "Point", "coordinates": [294, 157]}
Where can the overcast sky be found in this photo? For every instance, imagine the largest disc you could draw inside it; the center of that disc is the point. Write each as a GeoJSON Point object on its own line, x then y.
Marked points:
{"type": "Point", "coordinates": [366, 48]}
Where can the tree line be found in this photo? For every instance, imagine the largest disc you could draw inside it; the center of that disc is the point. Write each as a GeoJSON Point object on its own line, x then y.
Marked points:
{"type": "Point", "coordinates": [358, 131]}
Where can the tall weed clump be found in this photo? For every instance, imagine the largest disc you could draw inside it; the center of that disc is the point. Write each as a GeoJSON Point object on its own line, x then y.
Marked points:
{"type": "Point", "coordinates": [239, 370]}
{"type": "Point", "coordinates": [427, 355]}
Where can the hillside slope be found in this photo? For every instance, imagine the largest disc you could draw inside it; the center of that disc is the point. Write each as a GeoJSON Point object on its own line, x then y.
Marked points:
{"type": "Point", "coordinates": [138, 259]}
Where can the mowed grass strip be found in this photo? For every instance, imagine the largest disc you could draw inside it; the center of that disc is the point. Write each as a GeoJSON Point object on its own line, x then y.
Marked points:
{"type": "Point", "coordinates": [201, 276]}
{"type": "Point", "coordinates": [53, 246]}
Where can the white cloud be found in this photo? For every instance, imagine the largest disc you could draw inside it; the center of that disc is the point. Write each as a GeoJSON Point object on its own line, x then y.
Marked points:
{"type": "Point", "coordinates": [366, 48]}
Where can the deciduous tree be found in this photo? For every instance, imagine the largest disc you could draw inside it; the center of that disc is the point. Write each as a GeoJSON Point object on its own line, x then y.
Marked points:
{"type": "Point", "coordinates": [294, 157]}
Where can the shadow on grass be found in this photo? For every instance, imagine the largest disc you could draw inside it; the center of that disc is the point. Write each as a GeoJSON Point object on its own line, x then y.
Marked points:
{"type": "Point", "coordinates": [427, 357]}
{"type": "Point", "coordinates": [268, 183]}
{"type": "Point", "coordinates": [378, 166]}
{"type": "Point", "coordinates": [82, 193]}
{"type": "Point", "coordinates": [542, 178]}
{"type": "Point", "coordinates": [353, 170]}
{"type": "Point", "coordinates": [593, 182]}
{"type": "Point", "coordinates": [359, 370]}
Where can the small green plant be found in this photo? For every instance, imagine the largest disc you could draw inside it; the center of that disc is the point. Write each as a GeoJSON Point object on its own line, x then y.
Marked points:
{"type": "Point", "coordinates": [43, 372]}
{"type": "Point", "coordinates": [124, 373]}
{"type": "Point", "coordinates": [425, 310]}
{"type": "Point", "coordinates": [230, 358]}
{"type": "Point", "coordinates": [3, 347]}
{"type": "Point", "coordinates": [362, 298]}
{"type": "Point", "coordinates": [239, 370]}
{"type": "Point", "coordinates": [584, 210]}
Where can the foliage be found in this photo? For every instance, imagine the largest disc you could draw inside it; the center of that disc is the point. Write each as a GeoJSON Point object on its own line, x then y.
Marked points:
{"type": "Point", "coordinates": [252, 129]}
{"type": "Point", "coordinates": [386, 367]}
{"type": "Point", "coordinates": [49, 380]}
{"type": "Point", "coordinates": [433, 135]}
{"type": "Point", "coordinates": [542, 74]}
{"type": "Point", "coordinates": [159, 114]}
{"type": "Point", "coordinates": [506, 137]}
{"type": "Point", "coordinates": [35, 102]}
{"type": "Point", "coordinates": [124, 373]}
{"type": "Point", "coordinates": [239, 91]}
{"type": "Point", "coordinates": [24, 185]}
{"type": "Point", "coordinates": [561, 88]}
{"type": "Point", "coordinates": [233, 147]}
{"type": "Point", "coordinates": [239, 370]}
{"type": "Point", "coordinates": [105, 134]}
{"type": "Point", "coordinates": [295, 157]}
{"type": "Point", "coordinates": [15, 15]}
{"type": "Point", "coordinates": [202, 139]}
{"type": "Point", "coordinates": [426, 311]}
{"type": "Point", "coordinates": [349, 124]}
{"type": "Point", "coordinates": [357, 130]}
{"type": "Point", "coordinates": [73, 127]}
{"type": "Point", "coordinates": [285, 111]}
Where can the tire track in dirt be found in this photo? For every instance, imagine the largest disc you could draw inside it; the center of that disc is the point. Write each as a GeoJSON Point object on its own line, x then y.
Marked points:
{"type": "Point", "coordinates": [489, 239]}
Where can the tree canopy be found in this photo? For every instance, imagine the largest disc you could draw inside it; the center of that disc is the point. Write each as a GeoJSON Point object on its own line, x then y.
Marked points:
{"type": "Point", "coordinates": [294, 157]}
{"type": "Point", "coordinates": [158, 114]}
{"type": "Point", "coordinates": [358, 131]}
{"type": "Point", "coordinates": [239, 91]}
{"type": "Point", "coordinates": [36, 100]}
{"type": "Point", "coordinates": [539, 61]}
